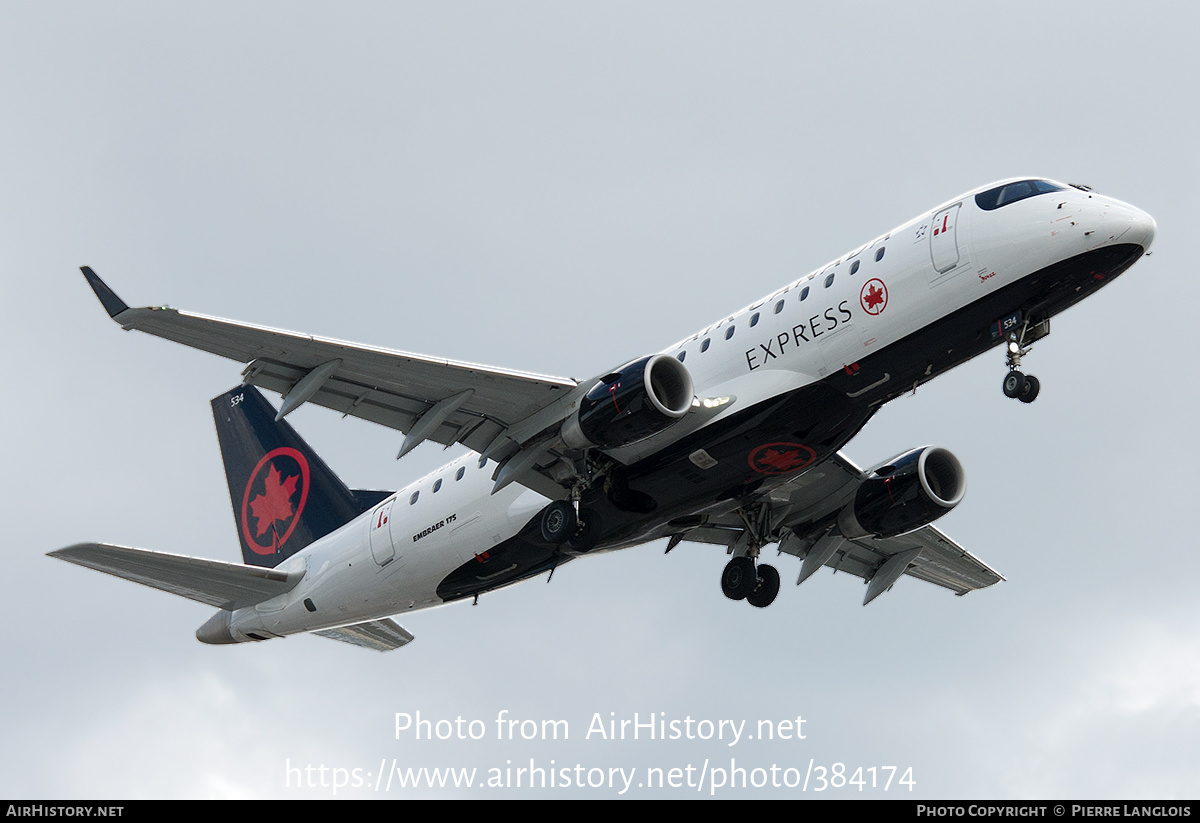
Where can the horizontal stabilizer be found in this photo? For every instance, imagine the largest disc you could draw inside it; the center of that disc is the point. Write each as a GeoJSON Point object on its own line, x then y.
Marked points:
{"type": "Point", "coordinates": [380, 635]}
{"type": "Point", "coordinates": [224, 585]}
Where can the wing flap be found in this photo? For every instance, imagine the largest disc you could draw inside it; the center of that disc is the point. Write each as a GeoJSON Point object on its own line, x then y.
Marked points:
{"type": "Point", "coordinates": [944, 562]}
{"type": "Point", "coordinates": [381, 635]}
{"type": "Point", "coordinates": [941, 561]}
{"type": "Point", "coordinates": [224, 585]}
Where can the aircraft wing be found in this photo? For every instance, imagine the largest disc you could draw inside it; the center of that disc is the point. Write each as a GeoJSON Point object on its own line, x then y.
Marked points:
{"type": "Point", "coordinates": [224, 585]}
{"type": "Point", "coordinates": [489, 410]}
{"type": "Point", "coordinates": [806, 507]}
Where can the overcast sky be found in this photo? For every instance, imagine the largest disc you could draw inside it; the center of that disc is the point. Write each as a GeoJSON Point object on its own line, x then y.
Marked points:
{"type": "Point", "coordinates": [558, 188]}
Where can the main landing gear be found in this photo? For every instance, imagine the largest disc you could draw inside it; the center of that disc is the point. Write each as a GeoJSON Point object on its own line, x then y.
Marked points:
{"type": "Point", "coordinates": [742, 581]}
{"type": "Point", "coordinates": [744, 578]}
{"type": "Point", "coordinates": [562, 526]}
{"type": "Point", "coordinates": [1018, 385]}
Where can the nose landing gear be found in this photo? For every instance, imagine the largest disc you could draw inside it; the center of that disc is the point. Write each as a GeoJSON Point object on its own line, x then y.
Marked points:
{"type": "Point", "coordinates": [1017, 384]}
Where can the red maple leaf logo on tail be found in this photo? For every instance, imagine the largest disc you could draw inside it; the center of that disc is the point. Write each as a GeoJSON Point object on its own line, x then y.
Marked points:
{"type": "Point", "coordinates": [272, 507]}
{"type": "Point", "coordinates": [275, 503]}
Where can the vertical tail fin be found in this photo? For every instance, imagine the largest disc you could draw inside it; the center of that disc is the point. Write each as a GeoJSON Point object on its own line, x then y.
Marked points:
{"type": "Point", "coordinates": [284, 496]}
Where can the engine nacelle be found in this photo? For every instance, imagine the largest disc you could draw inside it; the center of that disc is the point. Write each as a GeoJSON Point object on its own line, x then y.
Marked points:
{"type": "Point", "coordinates": [905, 494]}
{"type": "Point", "coordinates": [637, 400]}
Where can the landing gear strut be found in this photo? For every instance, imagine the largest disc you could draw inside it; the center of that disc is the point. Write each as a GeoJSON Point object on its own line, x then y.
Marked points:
{"type": "Point", "coordinates": [744, 578]}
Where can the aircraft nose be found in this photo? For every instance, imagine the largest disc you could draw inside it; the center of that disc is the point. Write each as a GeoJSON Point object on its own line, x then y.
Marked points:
{"type": "Point", "coordinates": [1127, 224]}
{"type": "Point", "coordinates": [1142, 229]}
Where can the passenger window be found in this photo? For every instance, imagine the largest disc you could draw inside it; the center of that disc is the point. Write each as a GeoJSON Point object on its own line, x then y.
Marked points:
{"type": "Point", "coordinates": [754, 320]}
{"type": "Point", "coordinates": [482, 462]}
{"type": "Point", "coordinates": [779, 307]}
{"type": "Point", "coordinates": [804, 294]}
{"type": "Point", "coordinates": [729, 332]}
{"type": "Point", "coordinates": [829, 281]}
{"type": "Point", "coordinates": [681, 355]}
{"type": "Point", "coordinates": [437, 485]}
{"type": "Point", "coordinates": [879, 254]}
{"type": "Point", "coordinates": [704, 345]}
{"type": "Point", "coordinates": [414, 497]}
{"type": "Point", "coordinates": [854, 267]}
{"type": "Point", "coordinates": [461, 471]}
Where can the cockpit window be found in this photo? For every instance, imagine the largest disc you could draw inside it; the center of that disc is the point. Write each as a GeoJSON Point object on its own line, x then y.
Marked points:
{"type": "Point", "coordinates": [1012, 192]}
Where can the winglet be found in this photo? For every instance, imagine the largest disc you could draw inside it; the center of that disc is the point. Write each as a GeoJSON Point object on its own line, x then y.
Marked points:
{"type": "Point", "coordinates": [108, 298]}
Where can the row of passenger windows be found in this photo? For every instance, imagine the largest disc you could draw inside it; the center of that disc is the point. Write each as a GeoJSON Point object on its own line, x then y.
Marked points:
{"type": "Point", "coordinates": [437, 484]}
{"type": "Point", "coordinates": [729, 332]}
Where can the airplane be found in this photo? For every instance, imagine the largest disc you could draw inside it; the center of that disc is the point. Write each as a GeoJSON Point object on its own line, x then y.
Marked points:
{"type": "Point", "coordinates": [730, 437]}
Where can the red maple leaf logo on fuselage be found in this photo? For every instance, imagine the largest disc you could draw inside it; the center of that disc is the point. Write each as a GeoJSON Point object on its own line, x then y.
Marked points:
{"type": "Point", "coordinates": [874, 296]}
{"type": "Point", "coordinates": [781, 458]}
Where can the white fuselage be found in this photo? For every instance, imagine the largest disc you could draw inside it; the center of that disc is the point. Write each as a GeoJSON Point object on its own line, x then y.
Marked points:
{"type": "Point", "coordinates": [392, 558]}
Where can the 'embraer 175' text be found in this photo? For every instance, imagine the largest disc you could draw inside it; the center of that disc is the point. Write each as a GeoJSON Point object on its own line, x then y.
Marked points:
{"type": "Point", "coordinates": [431, 529]}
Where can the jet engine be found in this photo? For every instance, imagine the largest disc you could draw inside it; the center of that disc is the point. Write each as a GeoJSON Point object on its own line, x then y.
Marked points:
{"type": "Point", "coordinates": [635, 401]}
{"type": "Point", "coordinates": [904, 494]}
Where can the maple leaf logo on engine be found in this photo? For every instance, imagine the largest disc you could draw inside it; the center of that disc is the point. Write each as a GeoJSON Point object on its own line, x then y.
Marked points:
{"type": "Point", "coordinates": [275, 503]}
{"type": "Point", "coordinates": [874, 296]}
